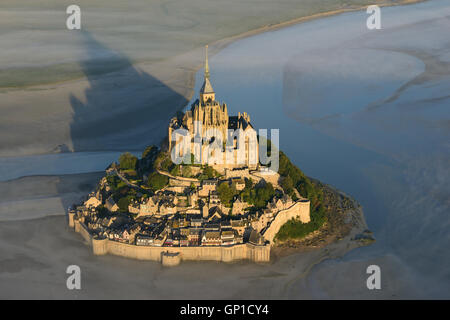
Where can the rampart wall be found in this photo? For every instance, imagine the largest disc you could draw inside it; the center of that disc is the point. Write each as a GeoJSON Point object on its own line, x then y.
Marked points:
{"type": "Point", "coordinates": [246, 251]}
{"type": "Point", "coordinates": [300, 209]}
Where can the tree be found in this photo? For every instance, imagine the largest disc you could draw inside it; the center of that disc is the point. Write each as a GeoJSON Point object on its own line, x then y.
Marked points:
{"type": "Point", "coordinates": [149, 152]}
{"type": "Point", "coordinates": [175, 170]}
{"type": "Point", "coordinates": [226, 193]}
{"type": "Point", "coordinates": [157, 181]}
{"type": "Point", "coordinates": [210, 172]}
{"type": "Point", "coordinates": [127, 161]}
{"type": "Point", "coordinates": [123, 204]}
{"type": "Point", "coordinates": [258, 196]}
{"type": "Point", "coordinates": [287, 184]}
{"type": "Point", "coordinates": [187, 172]}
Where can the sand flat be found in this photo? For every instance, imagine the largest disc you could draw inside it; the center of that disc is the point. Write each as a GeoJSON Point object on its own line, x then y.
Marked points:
{"type": "Point", "coordinates": [115, 84]}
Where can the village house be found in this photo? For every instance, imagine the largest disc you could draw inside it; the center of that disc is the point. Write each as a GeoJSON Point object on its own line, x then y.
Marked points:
{"type": "Point", "coordinates": [239, 226]}
{"type": "Point", "coordinates": [227, 237]}
{"type": "Point", "coordinates": [111, 205]}
{"type": "Point", "coordinates": [194, 236]}
{"type": "Point", "coordinates": [238, 207]}
{"type": "Point", "coordinates": [93, 201]}
{"type": "Point", "coordinates": [211, 238]}
{"type": "Point", "coordinates": [207, 187]}
{"type": "Point", "coordinates": [238, 182]}
{"type": "Point", "coordinates": [150, 207]}
{"type": "Point", "coordinates": [142, 240]}
{"type": "Point", "coordinates": [184, 242]}
{"type": "Point", "coordinates": [282, 203]}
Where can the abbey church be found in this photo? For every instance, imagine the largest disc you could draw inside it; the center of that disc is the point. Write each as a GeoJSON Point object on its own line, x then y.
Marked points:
{"type": "Point", "coordinates": [207, 132]}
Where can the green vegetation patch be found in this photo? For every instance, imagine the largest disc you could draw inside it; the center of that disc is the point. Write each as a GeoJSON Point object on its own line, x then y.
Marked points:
{"type": "Point", "coordinates": [295, 229]}
{"type": "Point", "coordinates": [294, 178]}
{"type": "Point", "coordinates": [226, 193]}
{"type": "Point", "coordinates": [157, 181]}
{"type": "Point", "coordinates": [127, 161]}
{"type": "Point", "coordinates": [258, 195]}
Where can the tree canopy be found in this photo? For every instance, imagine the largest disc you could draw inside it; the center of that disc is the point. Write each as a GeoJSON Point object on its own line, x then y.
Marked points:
{"type": "Point", "coordinates": [226, 193]}
{"type": "Point", "coordinates": [157, 181]}
{"type": "Point", "coordinates": [258, 195]}
{"type": "Point", "coordinates": [127, 161]}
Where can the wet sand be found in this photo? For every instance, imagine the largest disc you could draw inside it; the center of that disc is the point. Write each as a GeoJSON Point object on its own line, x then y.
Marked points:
{"type": "Point", "coordinates": [35, 254]}
{"type": "Point", "coordinates": [35, 197]}
{"type": "Point", "coordinates": [111, 86]}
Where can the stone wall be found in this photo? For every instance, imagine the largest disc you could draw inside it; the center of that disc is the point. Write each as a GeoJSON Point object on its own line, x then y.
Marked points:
{"type": "Point", "coordinates": [81, 229]}
{"type": "Point", "coordinates": [244, 251]}
{"type": "Point", "coordinates": [271, 177]}
{"type": "Point", "coordinates": [214, 253]}
{"type": "Point", "coordinates": [170, 259]}
{"type": "Point", "coordinates": [301, 210]}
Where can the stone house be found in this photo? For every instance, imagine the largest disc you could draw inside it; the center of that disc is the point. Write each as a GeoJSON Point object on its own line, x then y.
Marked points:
{"type": "Point", "coordinates": [238, 207]}
{"type": "Point", "coordinates": [92, 202]}
{"type": "Point", "coordinates": [227, 237]}
{"type": "Point", "coordinates": [207, 187]}
{"type": "Point", "coordinates": [150, 207]}
{"type": "Point", "coordinates": [239, 226]}
{"type": "Point", "coordinates": [111, 205]}
{"type": "Point", "coordinates": [211, 238]}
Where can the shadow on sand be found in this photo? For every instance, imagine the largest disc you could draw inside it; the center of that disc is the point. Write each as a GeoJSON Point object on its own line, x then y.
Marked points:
{"type": "Point", "coordinates": [123, 110]}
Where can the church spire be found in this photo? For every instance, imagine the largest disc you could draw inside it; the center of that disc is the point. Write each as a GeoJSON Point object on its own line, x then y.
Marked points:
{"type": "Point", "coordinates": [206, 63]}
{"type": "Point", "coordinates": [206, 91]}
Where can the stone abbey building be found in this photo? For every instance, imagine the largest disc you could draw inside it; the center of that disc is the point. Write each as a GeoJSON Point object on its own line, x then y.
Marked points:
{"type": "Point", "coordinates": [207, 132]}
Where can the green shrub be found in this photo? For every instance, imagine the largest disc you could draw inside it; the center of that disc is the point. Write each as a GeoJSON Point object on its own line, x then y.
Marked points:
{"type": "Point", "coordinates": [258, 196]}
{"type": "Point", "coordinates": [157, 181]}
{"type": "Point", "coordinates": [127, 161]}
{"type": "Point", "coordinates": [123, 204]}
{"type": "Point", "coordinates": [226, 193]}
{"type": "Point", "coordinates": [295, 229]}
{"type": "Point", "coordinates": [149, 152]}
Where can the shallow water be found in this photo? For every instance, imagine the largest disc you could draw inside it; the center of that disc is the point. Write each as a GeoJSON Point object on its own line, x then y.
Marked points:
{"type": "Point", "coordinates": [368, 112]}
{"type": "Point", "coordinates": [56, 164]}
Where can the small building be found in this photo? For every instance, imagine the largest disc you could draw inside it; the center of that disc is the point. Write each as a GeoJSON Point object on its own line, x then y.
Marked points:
{"type": "Point", "coordinates": [238, 207]}
{"type": "Point", "coordinates": [211, 226]}
{"type": "Point", "coordinates": [194, 236]}
{"type": "Point", "coordinates": [196, 222]}
{"type": "Point", "coordinates": [184, 242]}
{"type": "Point", "coordinates": [142, 240]}
{"type": "Point", "coordinates": [111, 205]}
{"type": "Point", "coordinates": [239, 226]}
{"type": "Point", "coordinates": [239, 183]}
{"type": "Point", "coordinates": [227, 237]}
{"type": "Point", "coordinates": [256, 238]}
{"type": "Point", "coordinates": [207, 187]}
{"type": "Point", "coordinates": [150, 207]}
{"type": "Point", "coordinates": [214, 199]}
{"type": "Point", "coordinates": [92, 202]}
{"type": "Point", "coordinates": [211, 238]}
{"type": "Point", "coordinates": [215, 214]}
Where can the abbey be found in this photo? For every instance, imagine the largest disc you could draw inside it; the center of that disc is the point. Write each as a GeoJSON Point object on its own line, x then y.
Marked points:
{"type": "Point", "coordinates": [207, 132]}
